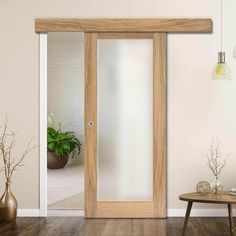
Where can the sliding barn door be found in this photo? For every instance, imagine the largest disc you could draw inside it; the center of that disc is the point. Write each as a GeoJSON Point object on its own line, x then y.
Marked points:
{"type": "Point", "coordinates": [125, 125]}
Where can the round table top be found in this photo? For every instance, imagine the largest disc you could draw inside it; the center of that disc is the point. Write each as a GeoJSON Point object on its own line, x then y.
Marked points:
{"type": "Point", "coordinates": [221, 198]}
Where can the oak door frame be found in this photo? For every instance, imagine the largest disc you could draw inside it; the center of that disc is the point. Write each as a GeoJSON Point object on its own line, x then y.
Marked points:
{"type": "Point", "coordinates": [126, 209]}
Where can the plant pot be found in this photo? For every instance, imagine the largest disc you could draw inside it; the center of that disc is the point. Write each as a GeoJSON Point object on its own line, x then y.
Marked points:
{"type": "Point", "coordinates": [8, 206]}
{"type": "Point", "coordinates": [56, 163]}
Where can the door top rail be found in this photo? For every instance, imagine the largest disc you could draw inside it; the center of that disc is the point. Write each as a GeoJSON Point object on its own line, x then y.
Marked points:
{"type": "Point", "coordinates": [124, 25]}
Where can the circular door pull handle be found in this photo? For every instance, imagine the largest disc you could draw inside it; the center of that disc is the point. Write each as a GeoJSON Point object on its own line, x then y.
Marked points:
{"type": "Point", "coordinates": [91, 123]}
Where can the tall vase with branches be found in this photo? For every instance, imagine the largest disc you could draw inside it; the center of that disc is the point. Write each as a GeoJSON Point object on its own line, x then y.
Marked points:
{"type": "Point", "coordinates": [216, 162]}
{"type": "Point", "coordinates": [8, 203]}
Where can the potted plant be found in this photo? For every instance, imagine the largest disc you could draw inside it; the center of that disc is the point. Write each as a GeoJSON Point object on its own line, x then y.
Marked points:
{"type": "Point", "coordinates": [60, 145]}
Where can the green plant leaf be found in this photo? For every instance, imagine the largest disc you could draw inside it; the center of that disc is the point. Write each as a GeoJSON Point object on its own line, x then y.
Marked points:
{"type": "Point", "coordinates": [62, 143]}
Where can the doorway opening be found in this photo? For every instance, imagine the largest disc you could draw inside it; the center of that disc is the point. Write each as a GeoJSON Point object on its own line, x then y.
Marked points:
{"type": "Point", "coordinates": [65, 113]}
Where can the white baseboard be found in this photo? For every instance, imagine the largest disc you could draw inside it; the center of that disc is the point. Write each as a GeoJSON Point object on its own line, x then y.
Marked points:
{"type": "Point", "coordinates": [199, 212]}
{"type": "Point", "coordinates": [51, 213]}
{"type": "Point", "coordinates": [170, 213]}
{"type": "Point", "coordinates": [28, 213]}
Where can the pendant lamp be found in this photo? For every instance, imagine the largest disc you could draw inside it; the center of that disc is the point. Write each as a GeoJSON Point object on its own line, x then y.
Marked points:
{"type": "Point", "coordinates": [221, 70]}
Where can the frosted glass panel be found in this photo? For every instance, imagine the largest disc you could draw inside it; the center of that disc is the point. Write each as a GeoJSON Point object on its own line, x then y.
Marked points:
{"type": "Point", "coordinates": [125, 119]}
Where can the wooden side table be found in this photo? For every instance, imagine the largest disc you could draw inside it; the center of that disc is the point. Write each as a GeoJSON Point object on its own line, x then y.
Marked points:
{"type": "Point", "coordinates": [222, 198]}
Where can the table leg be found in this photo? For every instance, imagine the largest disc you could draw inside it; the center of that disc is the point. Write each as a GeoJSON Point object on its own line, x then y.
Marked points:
{"type": "Point", "coordinates": [230, 210]}
{"type": "Point", "coordinates": [187, 214]}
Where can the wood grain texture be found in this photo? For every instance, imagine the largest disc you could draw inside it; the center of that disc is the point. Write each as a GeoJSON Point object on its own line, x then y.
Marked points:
{"type": "Point", "coordinates": [224, 198]}
{"type": "Point", "coordinates": [77, 226]}
{"type": "Point", "coordinates": [125, 35]}
{"type": "Point", "coordinates": [123, 25]}
{"type": "Point", "coordinates": [90, 132]}
{"type": "Point", "coordinates": [125, 209]}
{"type": "Point", "coordinates": [159, 129]}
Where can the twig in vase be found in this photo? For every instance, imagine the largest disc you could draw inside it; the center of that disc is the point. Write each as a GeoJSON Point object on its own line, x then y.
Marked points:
{"type": "Point", "coordinates": [214, 159]}
{"type": "Point", "coordinates": [7, 143]}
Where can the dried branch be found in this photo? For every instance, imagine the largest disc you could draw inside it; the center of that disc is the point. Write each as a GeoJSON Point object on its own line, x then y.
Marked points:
{"type": "Point", "coordinates": [28, 149]}
{"type": "Point", "coordinates": [7, 143]}
{"type": "Point", "coordinates": [214, 155]}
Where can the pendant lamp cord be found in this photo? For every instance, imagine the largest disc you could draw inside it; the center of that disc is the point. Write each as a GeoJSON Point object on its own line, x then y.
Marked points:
{"type": "Point", "coordinates": [221, 24]}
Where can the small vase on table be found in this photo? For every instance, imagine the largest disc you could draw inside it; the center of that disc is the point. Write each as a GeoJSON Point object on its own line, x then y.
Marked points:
{"type": "Point", "coordinates": [216, 186]}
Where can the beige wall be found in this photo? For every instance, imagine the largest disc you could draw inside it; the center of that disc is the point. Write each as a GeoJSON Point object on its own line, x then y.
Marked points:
{"type": "Point", "coordinates": [197, 107]}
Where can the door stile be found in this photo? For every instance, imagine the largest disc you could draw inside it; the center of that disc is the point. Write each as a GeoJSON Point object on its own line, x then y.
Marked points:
{"type": "Point", "coordinates": [159, 125]}
{"type": "Point", "coordinates": [90, 124]}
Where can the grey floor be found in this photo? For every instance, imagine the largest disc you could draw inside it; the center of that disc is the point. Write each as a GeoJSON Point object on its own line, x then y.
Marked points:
{"type": "Point", "coordinates": [65, 183]}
